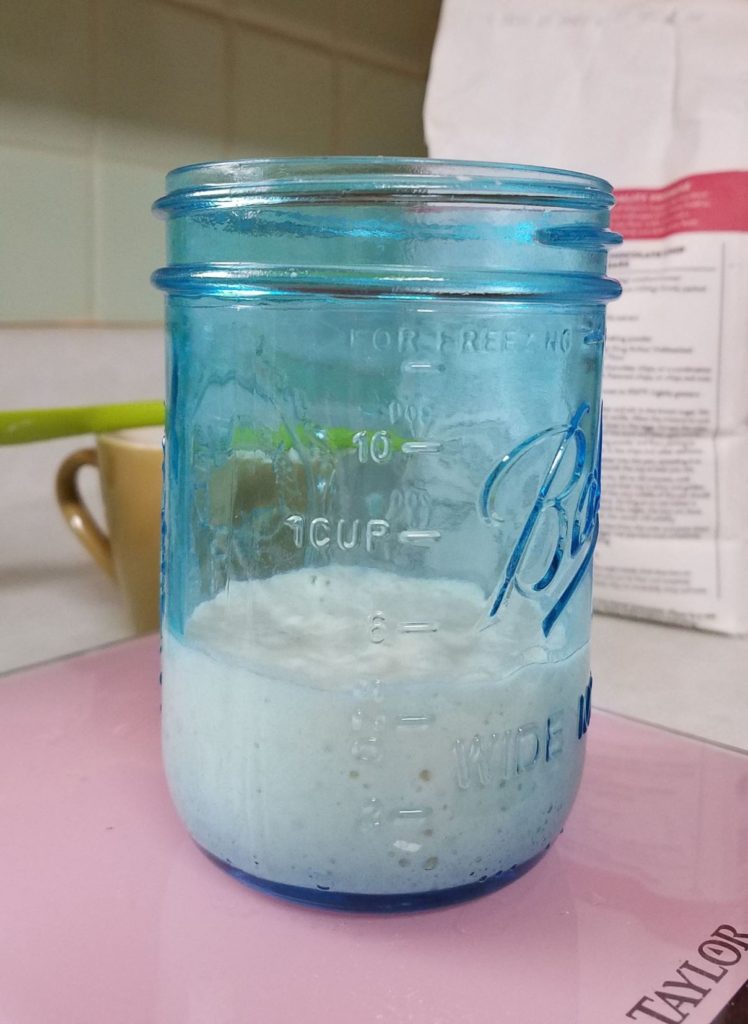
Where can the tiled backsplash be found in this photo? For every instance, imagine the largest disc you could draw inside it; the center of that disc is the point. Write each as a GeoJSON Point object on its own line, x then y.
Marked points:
{"type": "Point", "coordinates": [99, 98]}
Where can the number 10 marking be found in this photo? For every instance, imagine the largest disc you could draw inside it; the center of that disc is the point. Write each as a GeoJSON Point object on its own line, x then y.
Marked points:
{"type": "Point", "coordinates": [376, 446]}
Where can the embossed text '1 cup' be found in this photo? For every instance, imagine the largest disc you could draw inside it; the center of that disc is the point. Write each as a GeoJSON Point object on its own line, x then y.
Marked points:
{"type": "Point", "coordinates": [381, 500]}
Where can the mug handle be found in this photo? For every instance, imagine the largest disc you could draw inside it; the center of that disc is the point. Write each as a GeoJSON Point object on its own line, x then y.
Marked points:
{"type": "Point", "coordinates": [76, 512]}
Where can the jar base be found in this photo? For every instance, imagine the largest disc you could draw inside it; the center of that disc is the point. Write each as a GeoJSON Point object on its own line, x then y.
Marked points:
{"type": "Point", "coordinates": [378, 903]}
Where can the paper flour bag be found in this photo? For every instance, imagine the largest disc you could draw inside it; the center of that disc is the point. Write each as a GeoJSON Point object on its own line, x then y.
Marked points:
{"type": "Point", "coordinates": [651, 94]}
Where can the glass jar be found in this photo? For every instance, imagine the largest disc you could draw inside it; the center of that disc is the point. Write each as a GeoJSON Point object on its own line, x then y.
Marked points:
{"type": "Point", "coordinates": [381, 496]}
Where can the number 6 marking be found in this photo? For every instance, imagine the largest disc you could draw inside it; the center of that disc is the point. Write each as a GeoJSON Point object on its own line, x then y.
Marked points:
{"type": "Point", "coordinates": [377, 628]}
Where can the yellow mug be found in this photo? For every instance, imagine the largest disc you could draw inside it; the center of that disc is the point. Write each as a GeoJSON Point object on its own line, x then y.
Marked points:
{"type": "Point", "coordinates": [129, 463]}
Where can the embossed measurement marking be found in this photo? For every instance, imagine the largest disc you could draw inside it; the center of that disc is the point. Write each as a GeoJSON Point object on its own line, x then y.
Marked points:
{"type": "Point", "coordinates": [323, 531]}
{"type": "Point", "coordinates": [421, 447]}
{"type": "Point", "coordinates": [376, 446]}
{"type": "Point", "coordinates": [423, 367]}
{"type": "Point", "coordinates": [418, 627]}
{"type": "Point", "coordinates": [408, 813]}
{"type": "Point", "coordinates": [369, 727]}
{"type": "Point", "coordinates": [368, 724]}
{"type": "Point", "coordinates": [423, 537]}
{"type": "Point", "coordinates": [414, 721]}
{"type": "Point", "coordinates": [370, 815]}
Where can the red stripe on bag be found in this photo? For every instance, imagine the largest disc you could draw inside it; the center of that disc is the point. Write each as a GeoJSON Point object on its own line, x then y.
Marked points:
{"type": "Point", "coordinates": [701, 202]}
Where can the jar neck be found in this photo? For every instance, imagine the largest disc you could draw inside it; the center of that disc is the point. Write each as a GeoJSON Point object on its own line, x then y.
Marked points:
{"type": "Point", "coordinates": [366, 225]}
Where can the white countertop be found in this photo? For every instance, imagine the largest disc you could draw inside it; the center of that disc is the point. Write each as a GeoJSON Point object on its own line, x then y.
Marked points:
{"type": "Point", "coordinates": [682, 679]}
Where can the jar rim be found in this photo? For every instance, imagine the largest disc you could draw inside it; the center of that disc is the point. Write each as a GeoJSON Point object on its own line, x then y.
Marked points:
{"type": "Point", "coordinates": [376, 179]}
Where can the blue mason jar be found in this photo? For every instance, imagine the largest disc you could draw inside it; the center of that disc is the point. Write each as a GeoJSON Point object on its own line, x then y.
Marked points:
{"type": "Point", "coordinates": [381, 497]}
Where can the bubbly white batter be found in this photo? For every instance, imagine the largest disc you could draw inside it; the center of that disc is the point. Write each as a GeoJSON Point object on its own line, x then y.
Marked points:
{"type": "Point", "coordinates": [313, 736]}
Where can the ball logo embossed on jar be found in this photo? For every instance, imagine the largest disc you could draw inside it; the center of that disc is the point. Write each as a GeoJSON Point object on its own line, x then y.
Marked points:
{"type": "Point", "coordinates": [561, 492]}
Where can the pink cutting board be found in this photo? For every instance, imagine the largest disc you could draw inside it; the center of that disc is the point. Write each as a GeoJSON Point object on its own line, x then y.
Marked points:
{"type": "Point", "coordinates": [109, 913]}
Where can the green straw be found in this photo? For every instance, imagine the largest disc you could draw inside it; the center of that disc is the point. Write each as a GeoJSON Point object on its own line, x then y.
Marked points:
{"type": "Point", "coordinates": [22, 425]}
{"type": "Point", "coordinates": [335, 438]}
